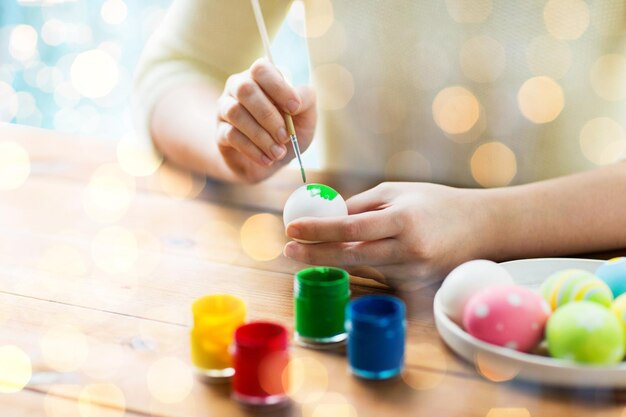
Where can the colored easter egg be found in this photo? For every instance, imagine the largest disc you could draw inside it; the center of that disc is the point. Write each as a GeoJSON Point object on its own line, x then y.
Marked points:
{"type": "Point", "coordinates": [619, 310]}
{"type": "Point", "coordinates": [314, 200]}
{"type": "Point", "coordinates": [467, 279]}
{"type": "Point", "coordinates": [613, 273]}
{"type": "Point", "coordinates": [575, 285]}
{"type": "Point", "coordinates": [507, 315]}
{"type": "Point", "coordinates": [585, 332]}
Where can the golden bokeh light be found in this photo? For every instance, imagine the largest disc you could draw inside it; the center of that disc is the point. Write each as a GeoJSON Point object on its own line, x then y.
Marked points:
{"type": "Point", "coordinates": [493, 164]}
{"type": "Point", "coordinates": [482, 59]}
{"type": "Point", "coordinates": [475, 11]}
{"type": "Point", "coordinates": [602, 141]}
{"type": "Point", "coordinates": [136, 157]}
{"type": "Point", "coordinates": [180, 183]}
{"type": "Point", "coordinates": [508, 412]}
{"type": "Point", "coordinates": [14, 165]}
{"type": "Point", "coordinates": [330, 46]}
{"type": "Point", "coordinates": [566, 19]}
{"type": "Point", "coordinates": [318, 16]}
{"type": "Point", "coordinates": [169, 380]}
{"type": "Point", "coordinates": [114, 12]}
{"type": "Point", "coordinates": [221, 240]}
{"type": "Point", "coordinates": [419, 357]}
{"type": "Point", "coordinates": [495, 368]}
{"type": "Point", "coordinates": [428, 65]}
{"type": "Point", "coordinates": [335, 86]}
{"type": "Point", "coordinates": [607, 77]}
{"type": "Point", "coordinates": [381, 110]}
{"type": "Point", "coordinates": [64, 348]}
{"type": "Point", "coordinates": [548, 56]}
{"type": "Point", "coordinates": [329, 404]}
{"type": "Point", "coordinates": [9, 103]}
{"type": "Point", "coordinates": [23, 42]}
{"type": "Point", "coordinates": [114, 249]}
{"type": "Point", "coordinates": [109, 194]}
{"type": "Point", "coordinates": [305, 379]}
{"type": "Point", "coordinates": [93, 396]}
{"type": "Point", "coordinates": [15, 369]}
{"type": "Point", "coordinates": [271, 373]}
{"type": "Point", "coordinates": [540, 99]}
{"type": "Point", "coordinates": [262, 237]}
{"type": "Point", "coordinates": [94, 73]}
{"type": "Point", "coordinates": [455, 110]}
{"type": "Point", "coordinates": [408, 166]}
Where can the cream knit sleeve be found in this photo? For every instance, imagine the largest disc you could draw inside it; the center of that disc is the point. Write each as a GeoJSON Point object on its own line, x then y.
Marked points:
{"type": "Point", "coordinates": [199, 40]}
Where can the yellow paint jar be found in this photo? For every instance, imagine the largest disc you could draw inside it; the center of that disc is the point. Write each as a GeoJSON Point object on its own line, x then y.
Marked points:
{"type": "Point", "coordinates": [215, 319]}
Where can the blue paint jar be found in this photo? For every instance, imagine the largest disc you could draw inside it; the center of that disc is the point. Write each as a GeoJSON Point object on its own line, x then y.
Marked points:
{"type": "Point", "coordinates": [376, 326]}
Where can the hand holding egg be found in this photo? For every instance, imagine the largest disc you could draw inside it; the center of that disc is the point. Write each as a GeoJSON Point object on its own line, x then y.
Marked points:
{"type": "Point", "coordinates": [313, 200]}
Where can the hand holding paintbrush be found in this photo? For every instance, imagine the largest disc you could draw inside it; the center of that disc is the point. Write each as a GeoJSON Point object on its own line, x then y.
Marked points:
{"type": "Point", "coordinates": [258, 15]}
{"type": "Point", "coordinates": [252, 133]}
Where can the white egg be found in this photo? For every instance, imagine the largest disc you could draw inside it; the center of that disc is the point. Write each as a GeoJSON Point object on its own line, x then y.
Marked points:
{"type": "Point", "coordinates": [467, 279]}
{"type": "Point", "coordinates": [314, 200]}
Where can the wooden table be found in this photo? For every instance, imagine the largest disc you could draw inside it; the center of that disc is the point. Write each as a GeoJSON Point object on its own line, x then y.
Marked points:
{"type": "Point", "coordinates": [98, 270]}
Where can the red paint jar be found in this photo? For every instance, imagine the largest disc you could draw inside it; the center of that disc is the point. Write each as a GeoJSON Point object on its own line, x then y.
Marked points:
{"type": "Point", "coordinates": [260, 357]}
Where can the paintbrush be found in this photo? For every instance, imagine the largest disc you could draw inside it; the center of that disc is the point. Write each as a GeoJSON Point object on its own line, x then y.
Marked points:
{"type": "Point", "coordinates": [288, 120]}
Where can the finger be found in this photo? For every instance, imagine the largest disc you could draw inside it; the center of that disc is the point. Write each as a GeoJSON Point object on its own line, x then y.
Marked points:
{"type": "Point", "coordinates": [234, 113]}
{"type": "Point", "coordinates": [372, 199]}
{"type": "Point", "coordinates": [380, 252]}
{"type": "Point", "coordinates": [253, 98]}
{"type": "Point", "coordinates": [228, 135]}
{"type": "Point", "coordinates": [305, 119]}
{"type": "Point", "coordinates": [371, 225]}
{"type": "Point", "coordinates": [275, 85]}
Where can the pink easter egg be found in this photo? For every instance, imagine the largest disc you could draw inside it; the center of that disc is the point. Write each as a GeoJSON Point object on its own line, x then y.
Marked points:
{"type": "Point", "coordinates": [507, 315]}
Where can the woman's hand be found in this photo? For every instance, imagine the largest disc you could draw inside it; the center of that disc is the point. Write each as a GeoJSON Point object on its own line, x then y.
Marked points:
{"type": "Point", "coordinates": [251, 132]}
{"type": "Point", "coordinates": [404, 234]}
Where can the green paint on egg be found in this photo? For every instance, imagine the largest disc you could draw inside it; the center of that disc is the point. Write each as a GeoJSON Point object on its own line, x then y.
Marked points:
{"type": "Point", "coordinates": [322, 190]}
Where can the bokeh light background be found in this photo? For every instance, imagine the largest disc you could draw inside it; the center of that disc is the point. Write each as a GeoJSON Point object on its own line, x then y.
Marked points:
{"type": "Point", "coordinates": [68, 65]}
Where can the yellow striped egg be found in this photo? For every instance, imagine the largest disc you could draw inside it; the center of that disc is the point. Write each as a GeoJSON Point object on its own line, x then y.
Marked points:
{"type": "Point", "coordinates": [575, 285]}
{"type": "Point", "coordinates": [619, 309]}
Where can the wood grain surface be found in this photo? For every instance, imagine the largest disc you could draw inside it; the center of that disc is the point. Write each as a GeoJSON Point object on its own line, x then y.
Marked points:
{"type": "Point", "coordinates": [98, 270]}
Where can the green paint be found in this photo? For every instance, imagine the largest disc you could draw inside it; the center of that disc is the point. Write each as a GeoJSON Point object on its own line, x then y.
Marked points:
{"type": "Point", "coordinates": [321, 295]}
{"type": "Point", "coordinates": [322, 190]}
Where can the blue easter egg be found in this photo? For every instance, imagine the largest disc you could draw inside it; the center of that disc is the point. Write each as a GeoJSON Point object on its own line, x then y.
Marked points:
{"type": "Point", "coordinates": [613, 273]}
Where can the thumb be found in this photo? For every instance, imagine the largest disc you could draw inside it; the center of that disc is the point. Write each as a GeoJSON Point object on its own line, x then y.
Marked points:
{"type": "Point", "coordinates": [307, 96]}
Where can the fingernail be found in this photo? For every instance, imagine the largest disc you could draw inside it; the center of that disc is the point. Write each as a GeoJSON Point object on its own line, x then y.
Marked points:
{"type": "Point", "coordinates": [278, 151]}
{"type": "Point", "coordinates": [266, 160]}
{"type": "Point", "coordinates": [293, 231]}
{"type": "Point", "coordinates": [282, 135]}
{"type": "Point", "coordinates": [293, 106]}
{"type": "Point", "coordinates": [289, 250]}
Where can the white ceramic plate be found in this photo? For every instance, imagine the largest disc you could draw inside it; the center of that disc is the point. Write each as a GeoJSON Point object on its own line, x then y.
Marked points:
{"type": "Point", "coordinates": [502, 363]}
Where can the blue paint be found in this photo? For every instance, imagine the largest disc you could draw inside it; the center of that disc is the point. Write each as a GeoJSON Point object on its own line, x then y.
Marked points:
{"type": "Point", "coordinates": [376, 326]}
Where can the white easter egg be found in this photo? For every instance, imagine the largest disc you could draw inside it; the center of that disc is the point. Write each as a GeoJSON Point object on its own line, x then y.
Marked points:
{"type": "Point", "coordinates": [314, 200]}
{"type": "Point", "coordinates": [466, 280]}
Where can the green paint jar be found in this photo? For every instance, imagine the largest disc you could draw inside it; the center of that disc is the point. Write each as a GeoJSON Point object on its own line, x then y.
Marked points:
{"type": "Point", "coordinates": [320, 298]}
